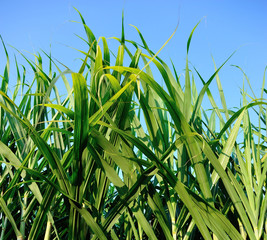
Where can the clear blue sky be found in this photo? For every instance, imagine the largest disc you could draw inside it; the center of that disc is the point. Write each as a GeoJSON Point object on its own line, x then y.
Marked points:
{"type": "Point", "coordinates": [226, 26]}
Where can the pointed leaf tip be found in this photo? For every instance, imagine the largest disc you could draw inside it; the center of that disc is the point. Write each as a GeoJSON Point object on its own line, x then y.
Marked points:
{"type": "Point", "coordinates": [122, 29]}
{"type": "Point", "coordinates": [190, 37]}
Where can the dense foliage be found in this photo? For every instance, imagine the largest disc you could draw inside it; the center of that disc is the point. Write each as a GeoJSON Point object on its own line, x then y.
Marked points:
{"type": "Point", "coordinates": [121, 157]}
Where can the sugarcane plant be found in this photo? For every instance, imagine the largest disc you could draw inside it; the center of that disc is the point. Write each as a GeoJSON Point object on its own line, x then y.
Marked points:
{"type": "Point", "coordinates": [118, 156]}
